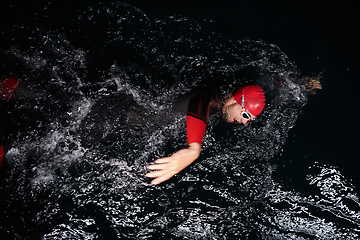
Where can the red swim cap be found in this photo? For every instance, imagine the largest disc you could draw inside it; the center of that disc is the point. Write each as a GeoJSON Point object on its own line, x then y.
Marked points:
{"type": "Point", "coordinates": [254, 98]}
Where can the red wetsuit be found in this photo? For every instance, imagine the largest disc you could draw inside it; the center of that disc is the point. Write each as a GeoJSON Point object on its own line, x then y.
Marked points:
{"type": "Point", "coordinates": [198, 116]}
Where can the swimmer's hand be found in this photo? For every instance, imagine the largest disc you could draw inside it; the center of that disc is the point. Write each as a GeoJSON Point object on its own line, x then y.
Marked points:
{"type": "Point", "coordinates": [169, 166]}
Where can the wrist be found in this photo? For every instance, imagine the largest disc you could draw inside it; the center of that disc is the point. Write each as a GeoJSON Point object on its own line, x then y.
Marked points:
{"type": "Point", "coordinates": [196, 147]}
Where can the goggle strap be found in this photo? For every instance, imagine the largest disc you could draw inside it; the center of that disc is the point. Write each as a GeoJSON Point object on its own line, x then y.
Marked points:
{"type": "Point", "coordinates": [243, 106]}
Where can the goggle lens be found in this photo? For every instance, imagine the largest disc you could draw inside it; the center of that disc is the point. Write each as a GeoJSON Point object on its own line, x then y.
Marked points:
{"type": "Point", "coordinates": [245, 115]}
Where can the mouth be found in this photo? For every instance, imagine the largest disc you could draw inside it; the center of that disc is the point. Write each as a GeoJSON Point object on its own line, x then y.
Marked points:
{"type": "Point", "coordinates": [234, 120]}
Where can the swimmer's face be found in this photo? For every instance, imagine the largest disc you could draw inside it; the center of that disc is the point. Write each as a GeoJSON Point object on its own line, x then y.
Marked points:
{"type": "Point", "coordinates": [232, 112]}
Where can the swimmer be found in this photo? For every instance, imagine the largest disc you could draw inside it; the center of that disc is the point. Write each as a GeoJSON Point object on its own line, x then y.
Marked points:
{"type": "Point", "coordinates": [240, 107]}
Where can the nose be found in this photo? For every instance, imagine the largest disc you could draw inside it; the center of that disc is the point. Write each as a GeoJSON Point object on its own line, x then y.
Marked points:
{"type": "Point", "coordinates": [243, 120]}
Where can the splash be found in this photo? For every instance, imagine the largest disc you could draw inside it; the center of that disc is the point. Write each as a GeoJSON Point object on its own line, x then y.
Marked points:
{"type": "Point", "coordinates": [101, 111]}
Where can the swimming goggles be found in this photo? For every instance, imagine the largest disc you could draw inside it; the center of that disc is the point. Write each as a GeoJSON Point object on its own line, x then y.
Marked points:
{"type": "Point", "coordinates": [244, 113]}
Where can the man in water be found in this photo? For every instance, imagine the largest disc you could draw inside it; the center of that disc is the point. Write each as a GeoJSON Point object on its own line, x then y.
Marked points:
{"type": "Point", "coordinates": [240, 107]}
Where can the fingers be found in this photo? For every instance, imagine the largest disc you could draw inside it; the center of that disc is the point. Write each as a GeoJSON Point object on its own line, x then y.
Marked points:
{"type": "Point", "coordinates": [160, 176]}
{"type": "Point", "coordinates": [166, 168]}
{"type": "Point", "coordinates": [165, 171]}
{"type": "Point", "coordinates": [162, 160]}
{"type": "Point", "coordinates": [155, 173]}
{"type": "Point", "coordinates": [161, 179]}
{"type": "Point", "coordinates": [156, 166]}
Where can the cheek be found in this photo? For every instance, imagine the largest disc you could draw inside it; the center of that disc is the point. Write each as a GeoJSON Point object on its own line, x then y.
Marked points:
{"type": "Point", "coordinates": [232, 112]}
{"type": "Point", "coordinates": [235, 113]}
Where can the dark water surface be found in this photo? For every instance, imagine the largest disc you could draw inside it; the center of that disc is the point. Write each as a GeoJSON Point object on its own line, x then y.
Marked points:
{"type": "Point", "coordinates": [94, 107]}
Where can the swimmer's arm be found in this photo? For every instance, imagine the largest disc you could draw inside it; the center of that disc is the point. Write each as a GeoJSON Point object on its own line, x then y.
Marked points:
{"type": "Point", "coordinates": [169, 166]}
{"type": "Point", "coordinates": [196, 121]}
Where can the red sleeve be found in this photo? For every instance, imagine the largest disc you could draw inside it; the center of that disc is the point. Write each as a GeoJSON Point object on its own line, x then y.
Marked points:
{"type": "Point", "coordinates": [198, 116]}
{"type": "Point", "coordinates": [195, 129]}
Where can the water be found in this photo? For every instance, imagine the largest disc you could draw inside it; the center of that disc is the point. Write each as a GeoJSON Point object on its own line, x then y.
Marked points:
{"type": "Point", "coordinates": [95, 107]}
